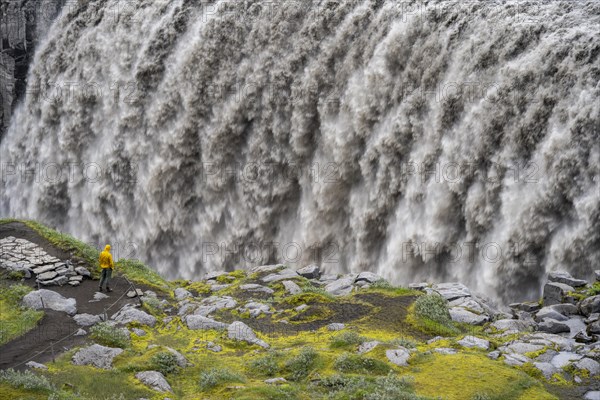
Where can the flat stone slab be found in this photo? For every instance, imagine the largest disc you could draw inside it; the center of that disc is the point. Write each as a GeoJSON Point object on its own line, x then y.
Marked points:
{"type": "Point", "coordinates": [203, 323]}
{"type": "Point", "coordinates": [254, 287]}
{"type": "Point", "coordinates": [452, 290]}
{"type": "Point", "coordinates": [43, 298]}
{"type": "Point", "coordinates": [472, 341]}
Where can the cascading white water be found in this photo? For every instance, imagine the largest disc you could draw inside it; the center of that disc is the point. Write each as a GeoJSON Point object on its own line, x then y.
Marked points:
{"type": "Point", "coordinates": [422, 140]}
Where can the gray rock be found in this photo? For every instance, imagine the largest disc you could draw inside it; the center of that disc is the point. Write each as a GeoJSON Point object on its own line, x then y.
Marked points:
{"type": "Point", "coordinates": [472, 341]}
{"type": "Point", "coordinates": [301, 307]}
{"type": "Point", "coordinates": [459, 314]}
{"type": "Point", "coordinates": [267, 268]}
{"type": "Point", "coordinates": [282, 275]}
{"type": "Point", "coordinates": [181, 293]}
{"type": "Point", "coordinates": [515, 360]}
{"type": "Point", "coordinates": [546, 369]}
{"type": "Point", "coordinates": [494, 355]}
{"type": "Point", "coordinates": [555, 293]}
{"type": "Point", "coordinates": [219, 302]}
{"type": "Point", "coordinates": [590, 305]}
{"type": "Point", "coordinates": [216, 287]}
{"type": "Point", "coordinates": [445, 351]}
{"type": "Point", "coordinates": [129, 314]}
{"type": "Point", "coordinates": [196, 322]}
{"type": "Point", "coordinates": [398, 356]}
{"type": "Point", "coordinates": [548, 312]}
{"type": "Point", "coordinates": [74, 283]}
{"type": "Point", "coordinates": [275, 381]}
{"type": "Point", "coordinates": [253, 287]}
{"type": "Point", "coordinates": [512, 325]}
{"type": "Point", "coordinates": [566, 278]}
{"type": "Point", "coordinates": [522, 348]}
{"type": "Point", "coordinates": [213, 347]}
{"type": "Point", "coordinates": [368, 276]}
{"type": "Point", "coordinates": [86, 319]}
{"type": "Point", "coordinates": [80, 332]}
{"type": "Point", "coordinates": [553, 326]}
{"type": "Point", "coordinates": [564, 358]}
{"type": "Point", "coordinates": [367, 346]}
{"type": "Point", "coordinates": [134, 293]}
{"type": "Point", "coordinates": [214, 275]}
{"type": "Point", "coordinates": [576, 324]}
{"type": "Point", "coordinates": [35, 365]}
{"type": "Point", "coordinates": [529, 306]}
{"type": "Point", "coordinates": [340, 287]}
{"type": "Point", "coordinates": [154, 380]}
{"type": "Point", "coordinates": [138, 331]}
{"type": "Point", "coordinates": [452, 290]}
{"type": "Point", "coordinates": [58, 281]}
{"type": "Point", "coordinates": [76, 278]}
{"type": "Point", "coordinates": [83, 271]}
{"type": "Point", "coordinates": [255, 309]}
{"type": "Point", "coordinates": [595, 394]}
{"type": "Point", "coordinates": [420, 286]}
{"type": "Point", "coordinates": [310, 272]}
{"type": "Point", "coordinates": [587, 364]}
{"type": "Point", "coordinates": [181, 360]}
{"type": "Point", "coordinates": [336, 326]}
{"type": "Point", "coordinates": [96, 355]}
{"type": "Point", "coordinates": [44, 298]}
{"type": "Point", "coordinates": [45, 269]}
{"type": "Point", "coordinates": [291, 287]}
{"type": "Point", "coordinates": [98, 296]}
{"type": "Point", "coordinates": [47, 276]}
{"type": "Point", "coordinates": [242, 332]}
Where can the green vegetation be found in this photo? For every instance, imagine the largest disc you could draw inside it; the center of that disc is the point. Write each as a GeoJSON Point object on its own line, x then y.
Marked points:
{"type": "Point", "coordinates": [15, 320]}
{"type": "Point", "coordinates": [347, 339]}
{"type": "Point", "coordinates": [355, 363]}
{"type": "Point", "coordinates": [218, 376]}
{"type": "Point", "coordinates": [267, 366]}
{"type": "Point", "coordinates": [300, 366]}
{"type": "Point", "coordinates": [165, 362]}
{"type": "Point", "coordinates": [429, 313]}
{"type": "Point", "coordinates": [109, 335]}
{"type": "Point", "coordinates": [26, 380]}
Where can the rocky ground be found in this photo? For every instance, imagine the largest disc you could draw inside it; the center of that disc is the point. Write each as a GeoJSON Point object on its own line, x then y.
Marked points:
{"type": "Point", "coordinates": [255, 325]}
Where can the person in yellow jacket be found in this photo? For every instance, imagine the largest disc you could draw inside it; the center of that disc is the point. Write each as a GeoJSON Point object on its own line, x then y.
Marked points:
{"type": "Point", "coordinates": [107, 265]}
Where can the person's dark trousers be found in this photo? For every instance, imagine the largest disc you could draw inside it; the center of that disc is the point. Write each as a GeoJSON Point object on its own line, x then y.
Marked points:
{"type": "Point", "coordinates": [106, 275]}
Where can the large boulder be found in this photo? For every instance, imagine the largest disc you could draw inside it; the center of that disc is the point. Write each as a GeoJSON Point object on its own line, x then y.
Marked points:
{"type": "Point", "coordinates": [291, 287]}
{"type": "Point", "coordinates": [368, 276]}
{"type": "Point", "coordinates": [203, 323]}
{"type": "Point", "coordinates": [590, 305]}
{"type": "Point", "coordinates": [452, 290]}
{"type": "Point", "coordinates": [86, 319]}
{"type": "Point", "coordinates": [512, 325]}
{"type": "Point", "coordinates": [154, 380]}
{"type": "Point", "coordinates": [242, 332]}
{"type": "Point", "coordinates": [43, 298]}
{"type": "Point", "coordinates": [340, 287]}
{"type": "Point", "coordinates": [310, 272]}
{"type": "Point", "coordinates": [181, 293]}
{"type": "Point", "coordinates": [549, 312]}
{"type": "Point", "coordinates": [553, 326]}
{"type": "Point", "coordinates": [459, 314]}
{"type": "Point", "coordinates": [96, 355]}
{"type": "Point", "coordinates": [282, 275]}
{"type": "Point", "coordinates": [566, 278]}
{"type": "Point", "coordinates": [474, 342]}
{"type": "Point", "coordinates": [129, 314]}
{"type": "Point", "coordinates": [556, 293]}
{"type": "Point", "coordinates": [398, 356]}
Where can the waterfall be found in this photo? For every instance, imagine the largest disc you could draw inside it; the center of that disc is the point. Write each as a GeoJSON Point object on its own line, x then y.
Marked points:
{"type": "Point", "coordinates": [422, 140]}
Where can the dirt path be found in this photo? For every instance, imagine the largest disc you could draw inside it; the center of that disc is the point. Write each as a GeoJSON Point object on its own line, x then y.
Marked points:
{"type": "Point", "coordinates": [35, 345]}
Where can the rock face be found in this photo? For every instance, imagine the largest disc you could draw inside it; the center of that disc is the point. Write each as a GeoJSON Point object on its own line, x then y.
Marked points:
{"type": "Point", "coordinates": [203, 323]}
{"type": "Point", "coordinates": [96, 355]}
{"type": "Point", "coordinates": [556, 292]}
{"type": "Point", "coordinates": [240, 331]}
{"type": "Point", "coordinates": [154, 380]}
{"type": "Point", "coordinates": [43, 298]}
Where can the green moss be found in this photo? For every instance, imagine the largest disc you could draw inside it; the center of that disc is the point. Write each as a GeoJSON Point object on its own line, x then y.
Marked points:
{"type": "Point", "coordinates": [307, 298]}
{"type": "Point", "coordinates": [355, 363]}
{"type": "Point", "coordinates": [300, 366]}
{"type": "Point", "coordinates": [217, 376]}
{"type": "Point", "coordinates": [16, 320]}
{"type": "Point", "coordinates": [346, 340]}
{"type": "Point", "coordinates": [136, 271]}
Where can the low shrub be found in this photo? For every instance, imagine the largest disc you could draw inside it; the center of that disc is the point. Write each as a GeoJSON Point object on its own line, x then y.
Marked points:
{"type": "Point", "coordinates": [265, 366]}
{"type": "Point", "coordinates": [165, 362]}
{"type": "Point", "coordinates": [26, 380]}
{"type": "Point", "coordinates": [392, 387]}
{"type": "Point", "coordinates": [217, 376]}
{"type": "Point", "coordinates": [354, 363]}
{"type": "Point", "coordinates": [433, 307]}
{"type": "Point", "coordinates": [109, 335]}
{"type": "Point", "coordinates": [347, 339]}
{"type": "Point", "coordinates": [300, 366]}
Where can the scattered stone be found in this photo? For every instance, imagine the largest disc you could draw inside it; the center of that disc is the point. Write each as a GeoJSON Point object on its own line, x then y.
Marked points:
{"type": "Point", "coordinates": [214, 347]}
{"type": "Point", "coordinates": [83, 271]}
{"type": "Point", "coordinates": [336, 326]}
{"type": "Point", "coordinates": [134, 293]}
{"type": "Point", "coordinates": [418, 286]}
{"type": "Point", "coordinates": [74, 283]}
{"type": "Point", "coordinates": [77, 278]}
{"type": "Point", "coordinates": [398, 357]}
{"type": "Point", "coordinates": [368, 276]}
{"type": "Point", "coordinates": [515, 360]}
{"type": "Point", "coordinates": [129, 314]}
{"type": "Point", "coordinates": [548, 312]}
{"type": "Point", "coordinates": [80, 332]}
{"type": "Point", "coordinates": [35, 365]}
{"type": "Point", "coordinates": [154, 380]}
{"type": "Point", "coordinates": [203, 323]}
{"type": "Point", "coordinates": [214, 275]}
{"type": "Point", "coordinates": [512, 325]}
{"type": "Point", "coordinates": [452, 290]}
{"type": "Point", "coordinates": [275, 381]}
{"type": "Point", "coordinates": [592, 395]}
{"type": "Point", "coordinates": [590, 305]}
{"type": "Point", "coordinates": [86, 319]}
{"type": "Point", "coordinates": [291, 287]}
{"type": "Point", "coordinates": [96, 355]}
{"type": "Point", "coordinates": [564, 358]}
{"type": "Point", "coordinates": [58, 281]}
{"type": "Point", "coordinates": [282, 275]}
{"type": "Point", "coordinates": [43, 298]}
{"type": "Point", "coordinates": [553, 326]}
{"type": "Point", "coordinates": [181, 293]}
{"type": "Point", "coordinates": [46, 276]}
{"type": "Point", "coordinates": [255, 309]}
{"type": "Point", "coordinates": [494, 355]}
{"type": "Point", "coordinates": [310, 272]}
{"type": "Point", "coordinates": [98, 296]}
{"type": "Point", "coordinates": [459, 314]}
{"type": "Point", "coordinates": [472, 341]}
{"type": "Point", "coordinates": [340, 287]}
{"type": "Point", "coordinates": [529, 306]}
{"type": "Point", "coordinates": [566, 278]}
{"type": "Point", "coordinates": [254, 287]}
{"type": "Point", "coordinates": [217, 287]}
{"type": "Point", "coordinates": [138, 331]}
{"type": "Point", "coordinates": [556, 293]}
{"type": "Point", "coordinates": [367, 346]}
{"type": "Point", "coordinates": [587, 364]}
{"type": "Point", "coordinates": [240, 331]}
{"type": "Point", "coordinates": [546, 369]}
{"type": "Point", "coordinates": [301, 307]}
{"type": "Point", "coordinates": [445, 351]}
{"type": "Point", "coordinates": [181, 360]}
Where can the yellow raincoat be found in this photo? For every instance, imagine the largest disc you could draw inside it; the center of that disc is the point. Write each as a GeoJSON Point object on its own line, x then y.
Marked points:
{"type": "Point", "coordinates": [106, 260]}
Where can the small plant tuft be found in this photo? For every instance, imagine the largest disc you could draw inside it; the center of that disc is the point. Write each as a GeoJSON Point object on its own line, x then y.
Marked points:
{"type": "Point", "coordinates": [216, 376]}
{"type": "Point", "coordinates": [300, 366]}
{"type": "Point", "coordinates": [433, 307]}
{"type": "Point", "coordinates": [354, 363]}
{"type": "Point", "coordinates": [109, 335]}
{"type": "Point", "coordinates": [26, 380]}
{"type": "Point", "coordinates": [165, 362]}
